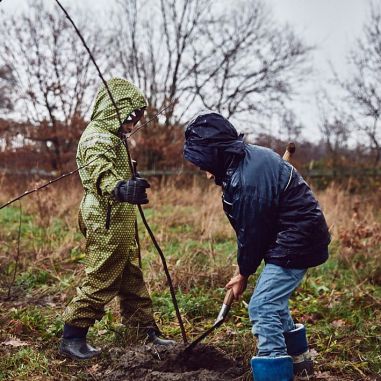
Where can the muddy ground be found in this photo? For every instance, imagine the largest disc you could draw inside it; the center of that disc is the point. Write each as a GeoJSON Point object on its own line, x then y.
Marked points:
{"type": "Point", "coordinates": [157, 363]}
{"type": "Point", "coordinates": [205, 363]}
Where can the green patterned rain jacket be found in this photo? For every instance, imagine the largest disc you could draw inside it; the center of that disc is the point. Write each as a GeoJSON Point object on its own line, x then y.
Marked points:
{"type": "Point", "coordinates": [108, 225]}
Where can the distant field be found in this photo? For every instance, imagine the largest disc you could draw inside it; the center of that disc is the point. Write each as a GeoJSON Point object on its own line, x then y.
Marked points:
{"type": "Point", "coordinates": [340, 302]}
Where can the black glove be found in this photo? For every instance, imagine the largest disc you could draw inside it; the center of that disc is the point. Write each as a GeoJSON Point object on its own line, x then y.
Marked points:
{"type": "Point", "coordinates": [132, 191]}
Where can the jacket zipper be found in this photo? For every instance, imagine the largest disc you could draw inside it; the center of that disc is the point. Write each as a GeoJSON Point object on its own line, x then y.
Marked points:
{"type": "Point", "coordinates": [108, 216]}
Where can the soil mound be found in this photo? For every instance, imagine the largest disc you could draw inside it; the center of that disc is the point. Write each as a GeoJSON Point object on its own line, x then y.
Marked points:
{"type": "Point", "coordinates": [158, 363]}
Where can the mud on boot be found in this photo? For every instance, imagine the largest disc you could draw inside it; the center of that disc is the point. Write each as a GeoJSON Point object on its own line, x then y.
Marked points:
{"type": "Point", "coordinates": [297, 347]}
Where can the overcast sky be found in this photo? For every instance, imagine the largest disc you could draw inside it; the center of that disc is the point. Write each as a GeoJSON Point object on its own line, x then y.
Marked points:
{"type": "Point", "coordinates": [331, 26]}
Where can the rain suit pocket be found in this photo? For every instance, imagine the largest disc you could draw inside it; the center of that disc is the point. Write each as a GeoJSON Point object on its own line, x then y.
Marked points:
{"type": "Point", "coordinates": [96, 214]}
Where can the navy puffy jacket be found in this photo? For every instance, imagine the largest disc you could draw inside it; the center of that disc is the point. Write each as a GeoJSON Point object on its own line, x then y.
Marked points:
{"type": "Point", "coordinates": [274, 213]}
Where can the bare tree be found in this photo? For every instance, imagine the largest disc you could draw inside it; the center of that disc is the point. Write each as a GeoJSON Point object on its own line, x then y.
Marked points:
{"type": "Point", "coordinates": [190, 53]}
{"type": "Point", "coordinates": [336, 130]}
{"type": "Point", "coordinates": [198, 54]}
{"type": "Point", "coordinates": [290, 127]}
{"type": "Point", "coordinates": [335, 136]}
{"type": "Point", "coordinates": [55, 78]}
{"type": "Point", "coordinates": [363, 88]}
{"type": "Point", "coordinates": [7, 81]}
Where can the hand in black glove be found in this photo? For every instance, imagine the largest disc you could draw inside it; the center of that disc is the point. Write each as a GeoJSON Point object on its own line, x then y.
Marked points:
{"type": "Point", "coordinates": [132, 191]}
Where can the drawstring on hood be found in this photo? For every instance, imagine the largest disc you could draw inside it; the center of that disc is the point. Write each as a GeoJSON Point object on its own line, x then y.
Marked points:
{"type": "Point", "coordinates": [213, 144]}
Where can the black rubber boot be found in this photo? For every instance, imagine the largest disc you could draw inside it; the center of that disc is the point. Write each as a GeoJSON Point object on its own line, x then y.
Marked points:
{"type": "Point", "coordinates": [297, 347]}
{"type": "Point", "coordinates": [78, 349]}
{"type": "Point", "coordinates": [74, 345]}
{"type": "Point", "coordinates": [154, 338]}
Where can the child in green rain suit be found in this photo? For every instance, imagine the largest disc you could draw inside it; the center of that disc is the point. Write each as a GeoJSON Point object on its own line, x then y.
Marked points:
{"type": "Point", "coordinates": [107, 220]}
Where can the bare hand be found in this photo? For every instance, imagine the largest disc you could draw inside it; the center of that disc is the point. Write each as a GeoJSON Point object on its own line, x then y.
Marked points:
{"type": "Point", "coordinates": [238, 284]}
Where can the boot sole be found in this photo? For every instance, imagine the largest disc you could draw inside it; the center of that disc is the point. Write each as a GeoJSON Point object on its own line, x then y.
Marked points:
{"type": "Point", "coordinates": [72, 357]}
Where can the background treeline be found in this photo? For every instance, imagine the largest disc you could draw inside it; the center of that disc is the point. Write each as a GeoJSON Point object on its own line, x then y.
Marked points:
{"type": "Point", "coordinates": [192, 55]}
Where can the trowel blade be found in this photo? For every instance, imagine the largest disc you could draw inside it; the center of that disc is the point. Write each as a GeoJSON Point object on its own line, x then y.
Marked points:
{"type": "Point", "coordinates": [201, 337]}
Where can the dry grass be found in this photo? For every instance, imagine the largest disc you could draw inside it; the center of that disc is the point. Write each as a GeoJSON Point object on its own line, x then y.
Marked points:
{"type": "Point", "coordinates": [202, 201]}
{"type": "Point", "coordinates": [192, 229]}
{"type": "Point", "coordinates": [344, 210]}
{"type": "Point", "coordinates": [197, 205]}
{"type": "Point", "coordinates": [355, 224]}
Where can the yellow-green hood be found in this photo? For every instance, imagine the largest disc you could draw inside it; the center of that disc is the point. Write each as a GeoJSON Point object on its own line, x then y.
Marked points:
{"type": "Point", "coordinates": [127, 98]}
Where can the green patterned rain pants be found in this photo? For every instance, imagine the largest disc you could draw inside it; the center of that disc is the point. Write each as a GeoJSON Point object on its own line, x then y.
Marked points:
{"type": "Point", "coordinates": [111, 267]}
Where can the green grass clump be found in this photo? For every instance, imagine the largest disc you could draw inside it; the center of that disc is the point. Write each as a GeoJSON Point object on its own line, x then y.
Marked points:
{"type": "Point", "coordinates": [34, 278]}
{"type": "Point", "coordinates": [23, 364]}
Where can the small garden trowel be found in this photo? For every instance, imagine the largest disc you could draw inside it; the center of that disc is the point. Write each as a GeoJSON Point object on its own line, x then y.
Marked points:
{"type": "Point", "coordinates": [228, 300]}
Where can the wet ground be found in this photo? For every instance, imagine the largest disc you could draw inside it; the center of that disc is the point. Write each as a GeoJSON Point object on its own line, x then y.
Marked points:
{"type": "Point", "coordinates": [157, 363]}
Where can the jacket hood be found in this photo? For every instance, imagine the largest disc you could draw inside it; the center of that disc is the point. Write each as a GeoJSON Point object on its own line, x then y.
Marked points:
{"type": "Point", "coordinates": [212, 143]}
{"type": "Point", "coordinates": [128, 98]}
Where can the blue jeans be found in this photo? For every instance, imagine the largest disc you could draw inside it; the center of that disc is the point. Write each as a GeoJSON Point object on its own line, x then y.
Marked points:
{"type": "Point", "coordinates": [268, 308]}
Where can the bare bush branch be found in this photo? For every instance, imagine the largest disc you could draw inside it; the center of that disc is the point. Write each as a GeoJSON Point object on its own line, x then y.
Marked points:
{"type": "Point", "coordinates": [363, 88]}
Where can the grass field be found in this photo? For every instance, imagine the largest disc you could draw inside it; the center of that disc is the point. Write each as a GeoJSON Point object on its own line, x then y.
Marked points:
{"type": "Point", "coordinates": [340, 301]}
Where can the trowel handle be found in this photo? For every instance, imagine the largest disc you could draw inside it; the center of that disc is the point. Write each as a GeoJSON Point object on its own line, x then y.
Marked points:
{"type": "Point", "coordinates": [228, 300]}
{"type": "Point", "coordinates": [289, 151]}
{"type": "Point", "coordinates": [229, 296]}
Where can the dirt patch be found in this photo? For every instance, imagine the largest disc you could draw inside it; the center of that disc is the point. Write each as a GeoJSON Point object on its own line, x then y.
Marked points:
{"type": "Point", "coordinates": [157, 363]}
